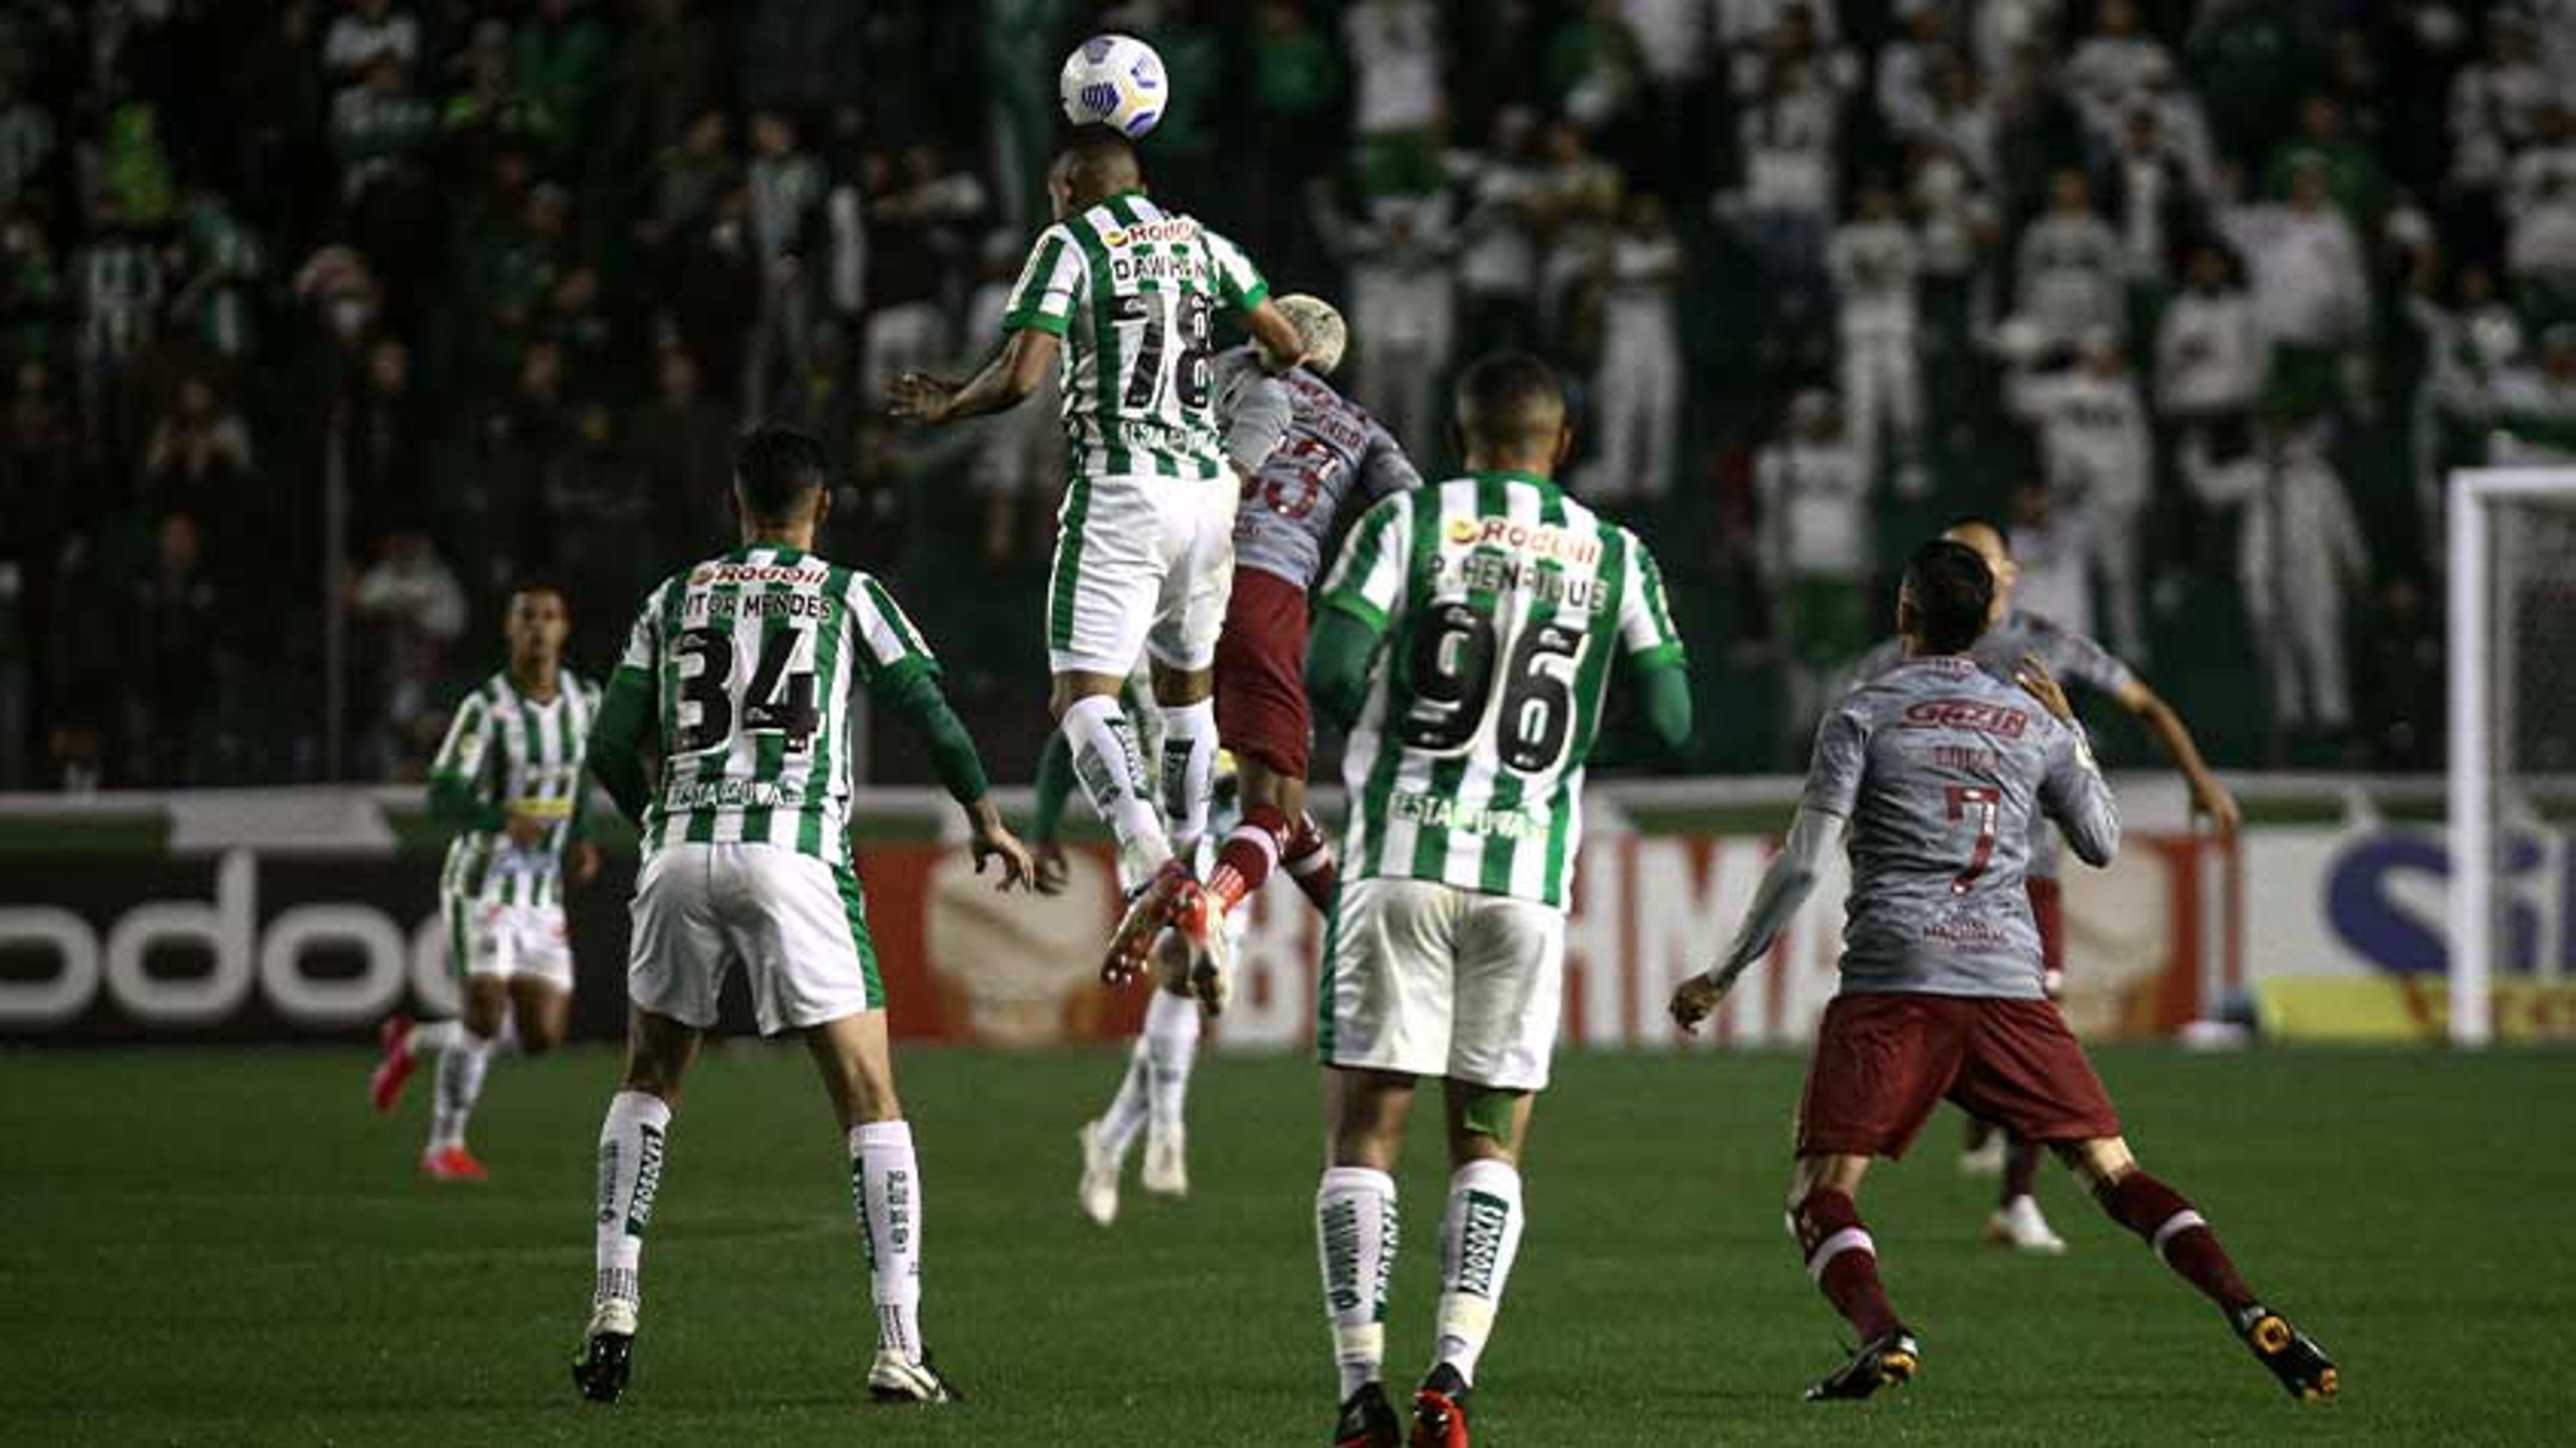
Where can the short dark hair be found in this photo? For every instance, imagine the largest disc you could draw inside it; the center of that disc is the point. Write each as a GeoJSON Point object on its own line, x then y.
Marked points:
{"type": "Point", "coordinates": [1100, 159]}
{"type": "Point", "coordinates": [1951, 591]}
{"type": "Point", "coordinates": [777, 470]}
{"type": "Point", "coordinates": [542, 583]}
{"type": "Point", "coordinates": [1510, 400]}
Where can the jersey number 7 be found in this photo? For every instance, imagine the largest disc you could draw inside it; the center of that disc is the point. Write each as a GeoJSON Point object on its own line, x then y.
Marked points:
{"type": "Point", "coordinates": [1987, 804]}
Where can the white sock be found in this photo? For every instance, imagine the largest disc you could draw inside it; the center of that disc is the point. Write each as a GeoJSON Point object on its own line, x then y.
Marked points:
{"type": "Point", "coordinates": [460, 1082]}
{"type": "Point", "coordinates": [1171, 1045]}
{"type": "Point", "coordinates": [631, 1141]}
{"type": "Point", "coordinates": [1355, 1235]}
{"type": "Point", "coordinates": [1128, 1109]}
{"type": "Point", "coordinates": [436, 1036]}
{"type": "Point", "coordinates": [1111, 771]}
{"type": "Point", "coordinates": [1479, 1237]}
{"type": "Point", "coordinates": [1189, 770]}
{"type": "Point", "coordinates": [887, 1186]}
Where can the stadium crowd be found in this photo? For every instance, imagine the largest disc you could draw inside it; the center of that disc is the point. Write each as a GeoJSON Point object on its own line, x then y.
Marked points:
{"type": "Point", "coordinates": [377, 306]}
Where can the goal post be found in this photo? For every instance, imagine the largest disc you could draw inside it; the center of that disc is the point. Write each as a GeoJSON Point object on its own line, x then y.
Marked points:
{"type": "Point", "coordinates": [2512, 595]}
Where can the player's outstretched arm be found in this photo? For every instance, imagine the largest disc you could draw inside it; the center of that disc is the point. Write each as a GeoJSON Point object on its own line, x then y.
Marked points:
{"type": "Point", "coordinates": [1282, 345]}
{"type": "Point", "coordinates": [617, 739]}
{"type": "Point", "coordinates": [1785, 886]}
{"type": "Point", "coordinates": [1001, 384]}
{"type": "Point", "coordinates": [2208, 796]}
{"type": "Point", "coordinates": [913, 695]}
{"type": "Point", "coordinates": [2074, 793]}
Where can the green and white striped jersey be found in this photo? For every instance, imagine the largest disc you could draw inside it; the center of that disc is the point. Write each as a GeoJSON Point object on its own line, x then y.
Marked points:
{"type": "Point", "coordinates": [750, 660]}
{"type": "Point", "coordinates": [1132, 289]}
{"type": "Point", "coordinates": [1504, 603]}
{"type": "Point", "coordinates": [509, 751]}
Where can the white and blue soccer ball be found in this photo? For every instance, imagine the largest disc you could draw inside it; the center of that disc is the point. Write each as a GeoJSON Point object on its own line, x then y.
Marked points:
{"type": "Point", "coordinates": [1115, 81]}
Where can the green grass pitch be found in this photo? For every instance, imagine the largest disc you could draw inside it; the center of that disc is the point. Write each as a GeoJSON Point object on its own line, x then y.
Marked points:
{"type": "Point", "coordinates": [224, 1246]}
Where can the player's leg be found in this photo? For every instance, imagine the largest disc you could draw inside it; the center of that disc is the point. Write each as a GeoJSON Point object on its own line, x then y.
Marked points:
{"type": "Point", "coordinates": [2017, 1221]}
{"type": "Point", "coordinates": [1308, 858]}
{"type": "Point", "coordinates": [799, 924]}
{"type": "Point", "coordinates": [1263, 715]}
{"type": "Point", "coordinates": [1150, 1102]}
{"type": "Point", "coordinates": [2183, 1240]}
{"type": "Point", "coordinates": [402, 1040]}
{"type": "Point", "coordinates": [1383, 1018]}
{"type": "Point", "coordinates": [633, 1139]}
{"type": "Point", "coordinates": [1881, 1065]}
{"type": "Point", "coordinates": [1356, 1234]}
{"type": "Point", "coordinates": [1101, 597]}
{"type": "Point", "coordinates": [464, 1062]}
{"type": "Point", "coordinates": [1189, 617]}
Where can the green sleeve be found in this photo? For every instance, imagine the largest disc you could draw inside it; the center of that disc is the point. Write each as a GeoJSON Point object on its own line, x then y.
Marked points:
{"type": "Point", "coordinates": [914, 695]}
{"type": "Point", "coordinates": [1337, 663]}
{"type": "Point", "coordinates": [1652, 723]}
{"type": "Point", "coordinates": [452, 802]}
{"type": "Point", "coordinates": [1054, 786]}
{"type": "Point", "coordinates": [1664, 700]}
{"type": "Point", "coordinates": [617, 739]}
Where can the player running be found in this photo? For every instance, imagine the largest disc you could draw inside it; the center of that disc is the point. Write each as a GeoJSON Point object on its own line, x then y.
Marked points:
{"type": "Point", "coordinates": [735, 687]}
{"type": "Point", "coordinates": [1126, 294]}
{"type": "Point", "coordinates": [1936, 769]}
{"type": "Point", "coordinates": [2073, 658]}
{"type": "Point", "coordinates": [1502, 605]}
{"type": "Point", "coordinates": [508, 780]}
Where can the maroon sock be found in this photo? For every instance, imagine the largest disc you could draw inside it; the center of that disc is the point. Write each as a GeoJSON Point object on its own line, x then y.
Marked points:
{"type": "Point", "coordinates": [2021, 1168]}
{"type": "Point", "coordinates": [2158, 1213]}
{"type": "Point", "coordinates": [1244, 861]}
{"type": "Point", "coordinates": [1843, 1261]}
{"type": "Point", "coordinates": [1308, 856]}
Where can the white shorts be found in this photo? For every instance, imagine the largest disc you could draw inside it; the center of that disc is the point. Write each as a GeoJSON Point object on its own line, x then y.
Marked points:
{"type": "Point", "coordinates": [1426, 979]}
{"type": "Point", "coordinates": [796, 923]}
{"type": "Point", "coordinates": [1141, 563]}
{"type": "Point", "coordinates": [514, 942]}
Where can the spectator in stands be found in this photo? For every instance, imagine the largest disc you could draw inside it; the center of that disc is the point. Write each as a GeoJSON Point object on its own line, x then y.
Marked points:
{"type": "Point", "coordinates": [2540, 239]}
{"type": "Point", "coordinates": [1637, 390]}
{"type": "Point", "coordinates": [388, 440]}
{"type": "Point", "coordinates": [31, 289]}
{"type": "Point", "coordinates": [2211, 357]}
{"type": "Point", "coordinates": [1874, 260]}
{"type": "Point", "coordinates": [2100, 460]}
{"type": "Point", "coordinates": [1579, 197]}
{"type": "Point", "coordinates": [2533, 407]}
{"type": "Point", "coordinates": [1962, 122]}
{"type": "Point", "coordinates": [1019, 454]}
{"type": "Point", "coordinates": [1498, 256]}
{"type": "Point", "coordinates": [918, 226]}
{"type": "Point", "coordinates": [118, 291]}
{"type": "Point", "coordinates": [2401, 681]}
{"type": "Point", "coordinates": [1296, 85]}
{"type": "Point", "coordinates": [2153, 201]}
{"type": "Point", "coordinates": [491, 111]}
{"type": "Point", "coordinates": [1816, 550]}
{"type": "Point", "coordinates": [1907, 67]}
{"type": "Point", "coordinates": [220, 267]}
{"type": "Point", "coordinates": [416, 608]}
{"type": "Point", "coordinates": [1401, 290]}
{"type": "Point", "coordinates": [561, 55]}
{"type": "Point", "coordinates": [2495, 106]}
{"type": "Point", "coordinates": [689, 178]}
{"type": "Point", "coordinates": [663, 76]}
{"type": "Point", "coordinates": [1675, 40]}
{"type": "Point", "coordinates": [199, 459]}
{"type": "Point", "coordinates": [1789, 102]}
{"type": "Point", "coordinates": [2053, 549]}
{"type": "Point", "coordinates": [381, 135]}
{"type": "Point", "coordinates": [683, 443]}
{"type": "Point", "coordinates": [2111, 71]}
{"type": "Point", "coordinates": [27, 141]}
{"type": "Point", "coordinates": [787, 189]}
{"type": "Point", "coordinates": [2300, 554]}
{"type": "Point", "coordinates": [1595, 67]}
{"type": "Point", "coordinates": [1393, 47]}
{"type": "Point", "coordinates": [2311, 292]}
{"type": "Point", "coordinates": [2324, 146]}
{"type": "Point", "coordinates": [366, 30]}
{"type": "Point", "coordinates": [2070, 272]}
{"type": "Point", "coordinates": [173, 661]}
{"type": "Point", "coordinates": [528, 436]}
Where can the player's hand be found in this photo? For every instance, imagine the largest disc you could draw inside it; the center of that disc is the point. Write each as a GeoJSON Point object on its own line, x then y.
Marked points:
{"type": "Point", "coordinates": [2036, 681]}
{"type": "Point", "coordinates": [992, 841]}
{"type": "Point", "coordinates": [581, 862]}
{"type": "Point", "coordinates": [922, 397]}
{"type": "Point", "coordinates": [2211, 798]}
{"type": "Point", "coordinates": [1694, 1000]}
{"type": "Point", "coordinates": [525, 828]}
{"type": "Point", "coordinates": [1054, 871]}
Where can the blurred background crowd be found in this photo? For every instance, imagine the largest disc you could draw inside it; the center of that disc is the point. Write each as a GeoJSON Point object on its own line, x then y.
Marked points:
{"type": "Point", "coordinates": [326, 322]}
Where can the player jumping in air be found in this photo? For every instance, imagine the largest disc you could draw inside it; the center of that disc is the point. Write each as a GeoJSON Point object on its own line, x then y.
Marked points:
{"type": "Point", "coordinates": [2072, 658]}
{"type": "Point", "coordinates": [735, 688]}
{"type": "Point", "coordinates": [1937, 768]}
{"type": "Point", "coordinates": [1333, 454]}
{"type": "Point", "coordinates": [508, 780]}
{"type": "Point", "coordinates": [1502, 606]}
{"type": "Point", "coordinates": [1126, 293]}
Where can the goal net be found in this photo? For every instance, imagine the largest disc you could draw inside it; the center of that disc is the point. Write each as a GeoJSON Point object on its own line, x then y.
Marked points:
{"type": "Point", "coordinates": [2512, 648]}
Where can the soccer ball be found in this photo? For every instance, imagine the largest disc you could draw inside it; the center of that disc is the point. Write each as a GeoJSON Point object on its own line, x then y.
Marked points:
{"type": "Point", "coordinates": [1114, 81]}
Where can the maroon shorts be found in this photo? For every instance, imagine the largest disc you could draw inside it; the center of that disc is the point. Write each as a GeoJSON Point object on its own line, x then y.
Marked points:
{"type": "Point", "coordinates": [1884, 1061]}
{"type": "Point", "coordinates": [1261, 710]}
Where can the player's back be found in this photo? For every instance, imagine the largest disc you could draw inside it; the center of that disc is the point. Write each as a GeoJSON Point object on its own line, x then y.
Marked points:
{"type": "Point", "coordinates": [1505, 602]}
{"type": "Point", "coordinates": [1333, 450]}
{"type": "Point", "coordinates": [1137, 289]}
{"type": "Point", "coordinates": [753, 657]}
{"type": "Point", "coordinates": [1941, 769]}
